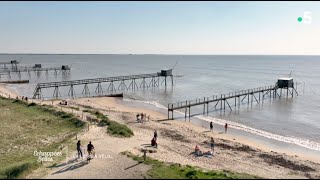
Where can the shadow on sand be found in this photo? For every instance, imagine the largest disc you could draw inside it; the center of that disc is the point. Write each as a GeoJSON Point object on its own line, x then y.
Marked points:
{"type": "Point", "coordinates": [72, 167]}
{"type": "Point", "coordinates": [63, 164]}
{"type": "Point", "coordinates": [133, 166]}
{"type": "Point", "coordinates": [162, 120]}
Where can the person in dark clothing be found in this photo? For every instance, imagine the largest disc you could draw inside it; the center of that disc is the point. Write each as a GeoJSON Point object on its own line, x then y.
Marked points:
{"type": "Point", "coordinates": [79, 149]}
{"type": "Point", "coordinates": [155, 134]}
{"type": "Point", "coordinates": [225, 128]}
{"type": "Point", "coordinates": [211, 126]}
{"type": "Point", "coordinates": [212, 144]}
{"type": "Point", "coordinates": [154, 142]}
{"type": "Point", "coordinates": [90, 147]}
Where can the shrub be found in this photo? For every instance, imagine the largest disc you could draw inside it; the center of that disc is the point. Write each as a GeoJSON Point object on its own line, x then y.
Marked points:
{"type": "Point", "coordinates": [77, 122]}
{"type": "Point", "coordinates": [118, 129]}
{"type": "Point", "coordinates": [104, 122]}
{"type": "Point", "coordinates": [32, 104]}
{"type": "Point", "coordinates": [17, 171]}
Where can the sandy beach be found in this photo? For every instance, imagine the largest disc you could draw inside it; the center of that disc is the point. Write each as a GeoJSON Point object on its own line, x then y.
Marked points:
{"type": "Point", "coordinates": [176, 142]}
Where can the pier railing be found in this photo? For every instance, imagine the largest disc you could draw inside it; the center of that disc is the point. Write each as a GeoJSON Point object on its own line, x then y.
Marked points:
{"type": "Point", "coordinates": [199, 101]}
{"type": "Point", "coordinates": [155, 82]}
{"type": "Point", "coordinates": [94, 81]}
{"type": "Point", "coordinates": [28, 69]}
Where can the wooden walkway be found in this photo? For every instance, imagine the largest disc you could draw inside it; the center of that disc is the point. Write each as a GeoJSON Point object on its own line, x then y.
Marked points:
{"type": "Point", "coordinates": [29, 69]}
{"type": "Point", "coordinates": [155, 78]}
{"type": "Point", "coordinates": [261, 92]}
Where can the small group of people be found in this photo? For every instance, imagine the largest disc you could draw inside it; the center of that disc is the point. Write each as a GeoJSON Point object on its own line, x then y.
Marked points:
{"type": "Point", "coordinates": [143, 118]}
{"type": "Point", "coordinates": [63, 103]}
{"type": "Point", "coordinates": [90, 150]}
{"type": "Point", "coordinates": [154, 139]}
{"type": "Point", "coordinates": [23, 98]}
{"type": "Point", "coordinates": [225, 127]}
{"type": "Point", "coordinates": [209, 153]}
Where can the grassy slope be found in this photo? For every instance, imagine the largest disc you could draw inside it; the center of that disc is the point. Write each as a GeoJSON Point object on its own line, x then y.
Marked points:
{"type": "Point", "coordinates": [114, 128]}
{"type": "Point", "coordinates": [25, 129]}
{"type": "Point", "coordinates": [161, 170]}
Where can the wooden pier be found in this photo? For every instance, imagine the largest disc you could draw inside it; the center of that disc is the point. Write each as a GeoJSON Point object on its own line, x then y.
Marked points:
{"type": "Point", "coordinates": [155, 82]}
{"type": "Point", "coordinates": [19, 70]}
{"type": "Point", "coordinates": [13, 64]}
{"type": "Point", "coordinates": [258, 94]}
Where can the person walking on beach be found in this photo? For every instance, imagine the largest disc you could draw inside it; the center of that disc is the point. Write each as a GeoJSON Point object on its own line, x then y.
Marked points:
{"type": "Point", "coordinates": [90, 147]}
{"type": "Point", "coordinates": [79, 149]}
{"type": "Point", "coordinates": [225, 128]}
{"type": "Point", "coordinates": [142, 117]}
{"type": "Point", "coordinates": [212, 145]}
{"type": "Point", "coordinates": [138, 117]}
{"type": "Point", "coordinates": [211, 126]}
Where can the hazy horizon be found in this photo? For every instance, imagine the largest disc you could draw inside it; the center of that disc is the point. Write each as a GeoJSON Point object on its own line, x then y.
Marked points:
{"type": "Point", "coordinates": [160, 54]}
{"type": "Point", "coordinates": [170, 28]}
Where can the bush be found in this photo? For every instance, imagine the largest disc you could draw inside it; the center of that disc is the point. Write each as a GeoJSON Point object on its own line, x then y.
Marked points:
{"type": "Point", "coordinates": [32, 104]}
{"type": "Point", "coordinates": [17, 171]}
{"type": "Point", "coordinates": [66, 116]}
{"type": "Point", "coordinates": [192, 174]}
{"type": "Point", "coordinates": [118, 129]}
{"type": "Point", "coordinates": [19, 102]}
{"type": "Point", "coordinates": [104, 122]}
{"type": "Point", "coordinates": [77, 122]}
{"type": "Point", "coordinates": [63, 115]}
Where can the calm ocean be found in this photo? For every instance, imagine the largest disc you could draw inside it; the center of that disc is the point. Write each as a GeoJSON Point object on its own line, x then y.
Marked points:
{"type": "Point", "coordinates": [293, 121]}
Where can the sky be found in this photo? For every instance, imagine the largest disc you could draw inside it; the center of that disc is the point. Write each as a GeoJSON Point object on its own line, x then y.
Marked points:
{"type": "Point", "coordinates": [190, 27]}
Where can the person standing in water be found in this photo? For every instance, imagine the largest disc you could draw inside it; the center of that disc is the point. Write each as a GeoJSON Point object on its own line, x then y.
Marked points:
{"type": "Point", "coordinates": [211, 126]}
{"type": "Point", "coordinates": [79, 149]}
{"type": "Point", "coordinates": [225, 128]}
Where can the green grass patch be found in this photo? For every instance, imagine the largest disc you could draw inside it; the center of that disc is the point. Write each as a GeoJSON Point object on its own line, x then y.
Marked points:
{"type": "Point", "coordinates": [117, 129]}
{"type": "Point", "coordinates": [29, 127]}
{"type": "Point", "coordinates": [161, 170]}
{"type": "Point", "coordinates": [74, 108]}
{"type": "Point", "coordinates": [19, 170]}
{"type": "Point", "coordinates": [114, 128]}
